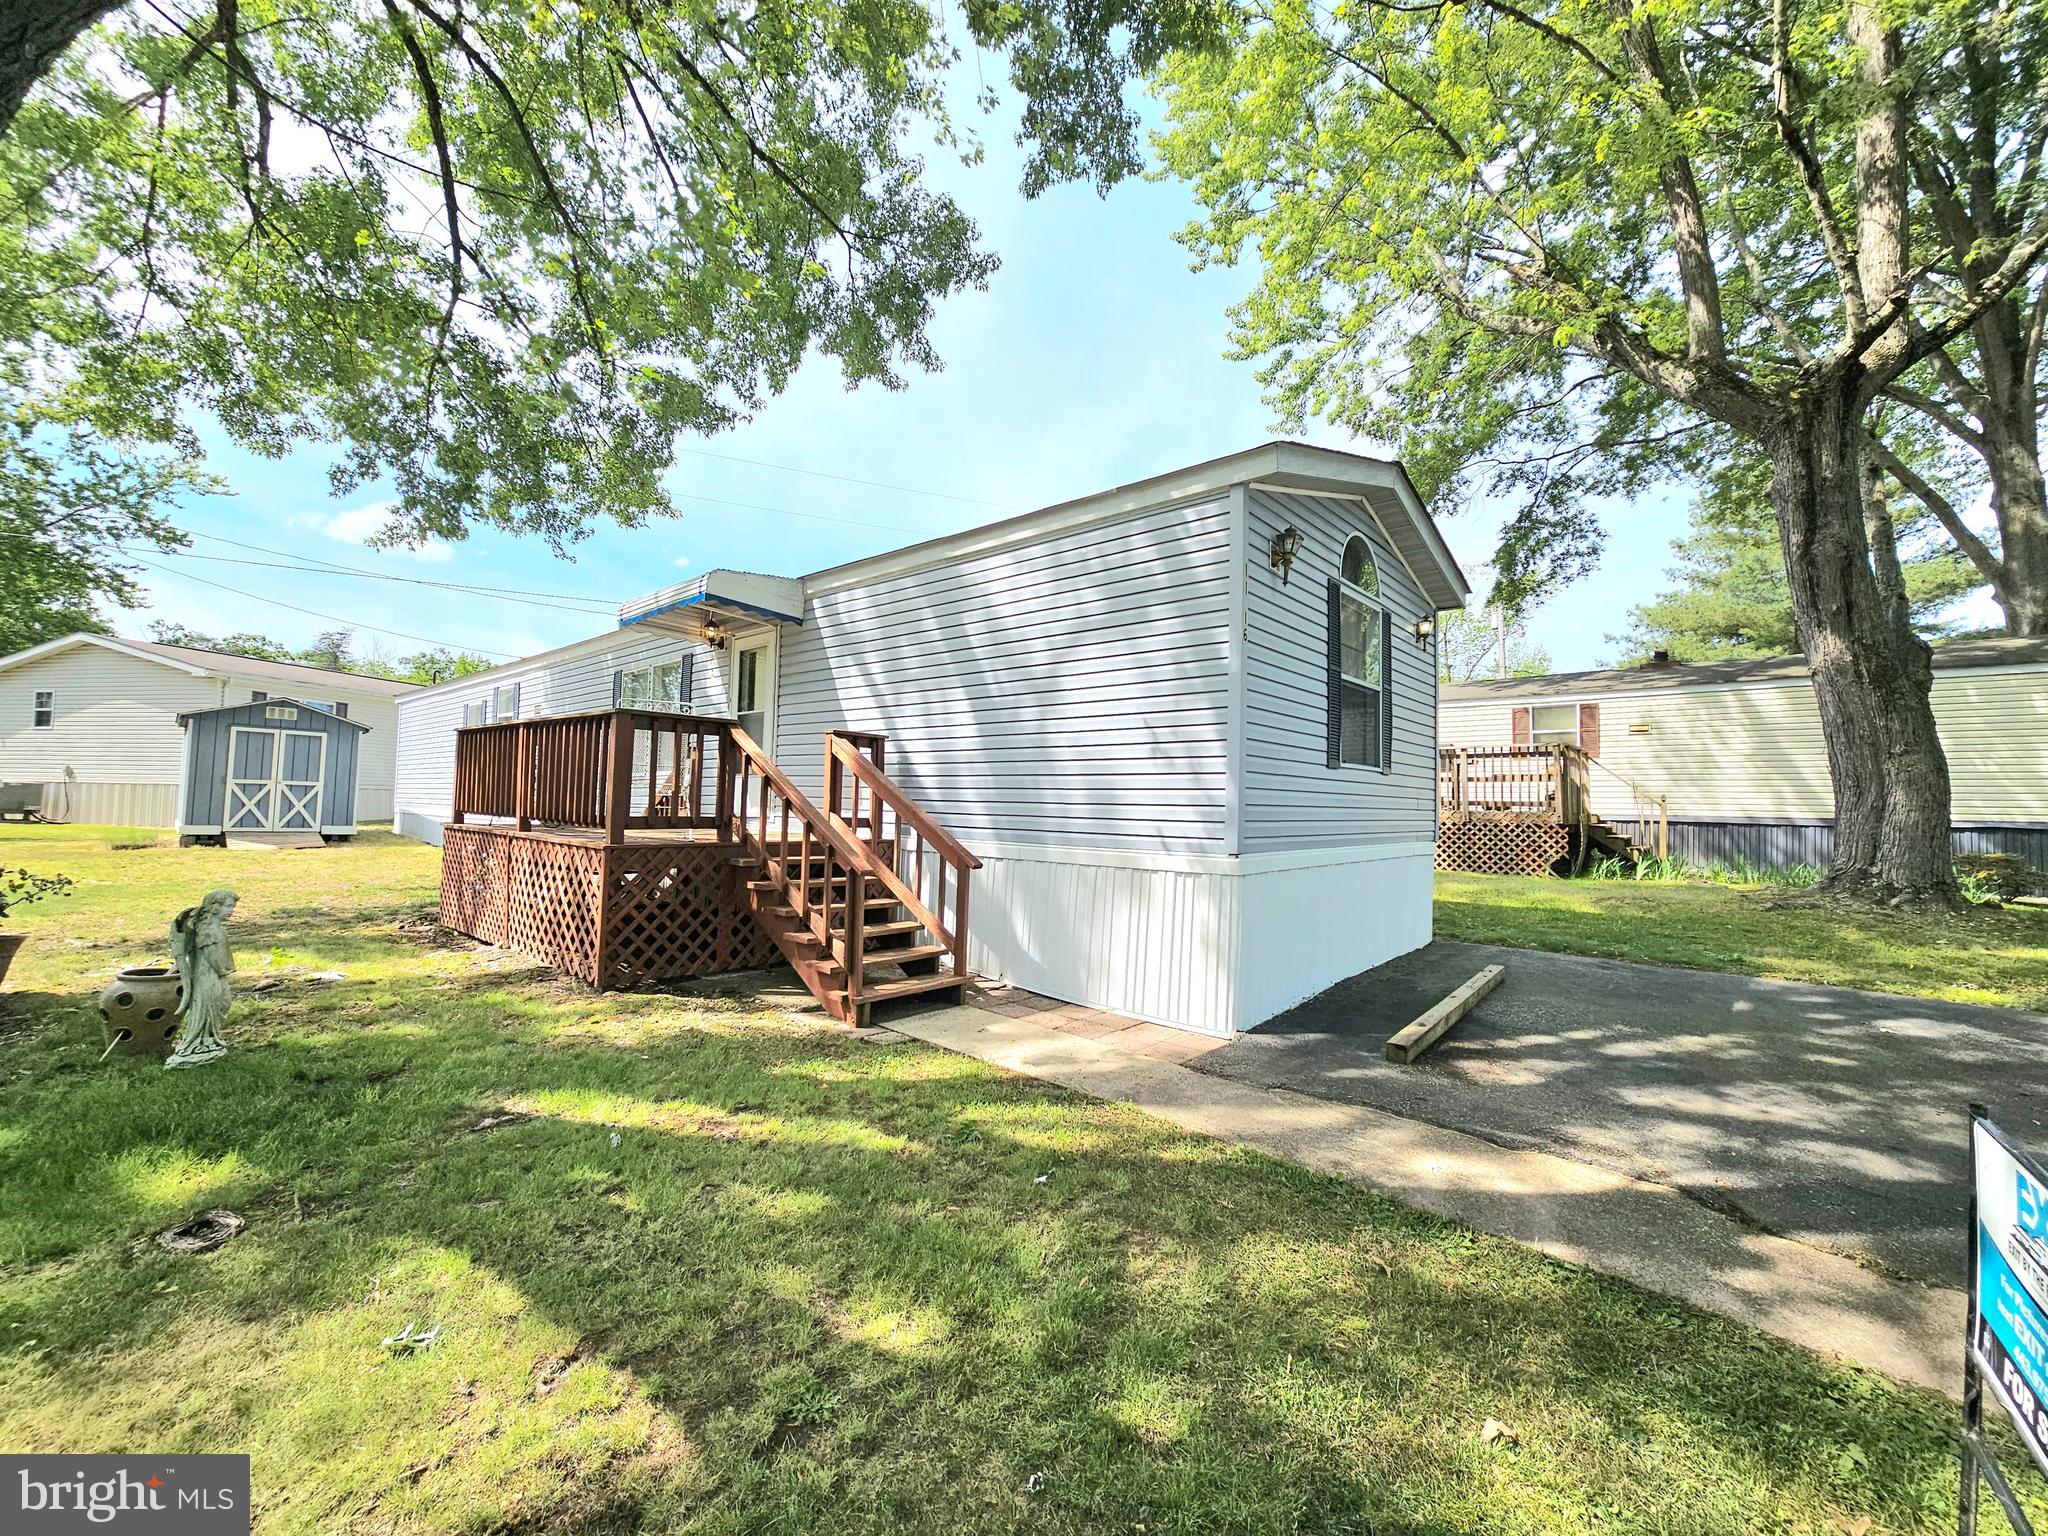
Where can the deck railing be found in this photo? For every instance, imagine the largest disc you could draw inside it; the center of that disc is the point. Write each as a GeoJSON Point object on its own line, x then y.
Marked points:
{"type": "Point", "coordinates": [614, 768]}
{"type": "Point", "coordinates": [1536, 783]}
{"type": "Point", "coordinates": [921, 865]}
{"type": "Point", "coordinates": [827, 887]}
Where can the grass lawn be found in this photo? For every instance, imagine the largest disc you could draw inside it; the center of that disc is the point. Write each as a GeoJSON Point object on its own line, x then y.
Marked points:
{"type": "Point", "coordinates": [1986, 956]}
{"type": "Point", "coordinates": [734, 1271]}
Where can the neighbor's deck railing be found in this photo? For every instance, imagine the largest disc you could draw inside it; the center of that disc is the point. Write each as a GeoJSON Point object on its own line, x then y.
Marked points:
{"type": "Point", "coordinates": [1536, 783]}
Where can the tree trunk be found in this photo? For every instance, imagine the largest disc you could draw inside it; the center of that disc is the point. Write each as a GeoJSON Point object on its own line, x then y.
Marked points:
{"type": "Point", "coordinates": [2009, 423]}
{"type": "Point", "coordinates": [33, 33]}
{"type": "Point", "coordinates": [1871, 674]}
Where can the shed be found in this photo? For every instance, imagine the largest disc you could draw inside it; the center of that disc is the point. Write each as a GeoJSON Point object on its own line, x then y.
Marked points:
{"type": "Point", "coordinates": [273, 765]}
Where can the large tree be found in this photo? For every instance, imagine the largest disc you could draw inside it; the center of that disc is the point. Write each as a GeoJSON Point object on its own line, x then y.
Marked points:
{"type": "Point", "coordinates": [1621, 239]}
{"type": "Point", "coordinates": [503, 253]}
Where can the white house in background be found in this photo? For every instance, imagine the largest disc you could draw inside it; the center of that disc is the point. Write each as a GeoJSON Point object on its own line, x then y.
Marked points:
{"type": "Point", "coordinates": [1735, 748]}
{"type": "Point", "coordinates": [1187, 725]}
{"type": "Point", "coordinates": [94, 721]}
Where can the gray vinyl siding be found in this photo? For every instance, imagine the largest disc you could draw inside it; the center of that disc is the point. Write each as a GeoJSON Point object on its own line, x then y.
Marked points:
{"type": "Point", "coordinates": [1074, 691]}
{"type": "Point", "coordinates": [1292, 800]}
{"type": "Point", "coordinates": [560, 685]}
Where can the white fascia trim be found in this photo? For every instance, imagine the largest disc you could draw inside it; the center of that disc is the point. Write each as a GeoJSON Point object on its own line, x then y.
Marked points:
{"type": "Point", "coordinates": [105, 642]}
{"type": "Point", "coordinates": [1273, 862]}
{"type": "Point", "coordinates": [347, 831]}
{"type": "Point", "coordinates": [1238, 642]}
{"type": "Point", "coordinates": [186, 829]}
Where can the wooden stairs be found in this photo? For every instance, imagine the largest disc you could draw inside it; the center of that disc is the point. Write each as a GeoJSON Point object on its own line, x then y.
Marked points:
{"type": "Point", "coordinates": [866, 898]}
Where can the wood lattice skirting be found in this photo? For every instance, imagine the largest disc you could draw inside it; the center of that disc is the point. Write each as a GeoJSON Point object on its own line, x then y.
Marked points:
{"type": "Point", "coordinates": [1503, 847]}
{"type": "Point", "coordinates": [611, 916]}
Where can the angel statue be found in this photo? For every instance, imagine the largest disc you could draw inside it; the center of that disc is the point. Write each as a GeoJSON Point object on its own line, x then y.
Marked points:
{"type": "Point", "coordinates": [199, 943]}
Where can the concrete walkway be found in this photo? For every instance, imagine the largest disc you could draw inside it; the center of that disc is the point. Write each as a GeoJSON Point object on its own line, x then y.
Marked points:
{"type": "Point", "coordinates": [1575, 1212]}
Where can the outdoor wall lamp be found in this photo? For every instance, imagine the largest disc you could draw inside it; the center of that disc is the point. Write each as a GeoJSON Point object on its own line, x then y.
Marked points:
{"type": "Point", "coordinates": [714, 634]}
{"type": "Point", "coordinates": [1424, 628]}
{"type": "Point", "coordinates": [1281, 551]}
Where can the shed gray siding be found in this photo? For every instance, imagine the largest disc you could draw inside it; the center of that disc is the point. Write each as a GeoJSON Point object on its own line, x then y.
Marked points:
{"type": "Point", "coordinates": [1070, 691]}
{"type": "Point", "coordinates": [1292, 799]}
{"type": "Point", "coordinates": [207, 737]}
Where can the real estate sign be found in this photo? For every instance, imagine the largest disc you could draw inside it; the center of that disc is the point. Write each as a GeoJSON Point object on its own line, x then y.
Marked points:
{"type": "Point", "coordinates": [2009, 1282]}
{"type": "Point", "coordinates": [2008, 1344]}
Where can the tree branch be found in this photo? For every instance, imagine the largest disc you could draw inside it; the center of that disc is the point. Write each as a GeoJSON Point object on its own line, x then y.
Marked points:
{"type": "Point", "coordinates": [1974, 549]}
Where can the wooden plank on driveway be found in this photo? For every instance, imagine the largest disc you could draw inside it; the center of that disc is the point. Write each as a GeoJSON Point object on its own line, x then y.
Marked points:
{"type": "Point", "coordinates": [1418, 1037]}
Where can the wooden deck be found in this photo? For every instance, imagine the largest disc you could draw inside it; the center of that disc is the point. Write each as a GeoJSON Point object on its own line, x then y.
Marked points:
{"type": "Point", "coordinates": [1529, 811]}
{"type": "Point", "coordinates": [630, 846]}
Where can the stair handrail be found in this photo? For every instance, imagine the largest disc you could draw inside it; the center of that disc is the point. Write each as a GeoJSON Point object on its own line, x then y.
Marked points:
{"type": "Point", "coordinates": [1645, 802]}
{"type": "Point", "coordinates": [844, 755]}
{"type": "Point", "coordinates": [857, 861]}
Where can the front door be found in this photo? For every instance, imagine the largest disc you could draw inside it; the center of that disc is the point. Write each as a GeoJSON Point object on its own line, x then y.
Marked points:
{"type": "Point", "coordinates": [753, 689]}
{"type": "Point", "coordinates": [274, 780]}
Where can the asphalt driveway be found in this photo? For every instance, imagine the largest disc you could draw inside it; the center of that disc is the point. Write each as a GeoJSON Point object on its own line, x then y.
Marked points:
{"type": "Point", "coordinates": [1825, 1115]}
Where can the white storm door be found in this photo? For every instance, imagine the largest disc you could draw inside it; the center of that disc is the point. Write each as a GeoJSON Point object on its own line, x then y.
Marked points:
{"type": "Point", "coordinates": [753, 689]}
{"type": "Point", "coordinates": [301, 763]}
{"type": "Point", "coordinates": [252, 780]}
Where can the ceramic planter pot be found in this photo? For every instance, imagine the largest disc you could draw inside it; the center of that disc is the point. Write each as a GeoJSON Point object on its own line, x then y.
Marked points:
{"type": "Point", "coordinates": [139, 1009]}
{"type": "Point", "coordinates": [9, 943]}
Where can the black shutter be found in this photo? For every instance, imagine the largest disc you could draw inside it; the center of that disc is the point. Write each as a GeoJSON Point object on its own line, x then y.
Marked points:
{"type": "Point", "coordinates": [689, 682]}
{"type": "Point", "coordinates": [1333, 734]}
{"type": "Point", "coordinates": [1386, 690]}
{"type": "Point", "coordinates": [618, 687]}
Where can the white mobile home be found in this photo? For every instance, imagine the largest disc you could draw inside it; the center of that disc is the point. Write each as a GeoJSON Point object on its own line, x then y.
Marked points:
{"type": "Point", "coordinates": [1187, 727]}
{"type": "Point", "coordinates": [1734, 748]}
{"type": "Point", "coordinates": [93, 720]}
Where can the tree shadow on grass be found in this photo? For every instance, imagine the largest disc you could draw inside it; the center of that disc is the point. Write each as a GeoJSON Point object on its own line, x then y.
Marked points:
{"type": "Point", "coordinates": [832, 1267]}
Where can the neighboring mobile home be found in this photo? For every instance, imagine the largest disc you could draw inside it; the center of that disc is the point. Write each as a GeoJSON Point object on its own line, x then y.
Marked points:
{"type": "Point", "coordinates": [94, 720]}
{"type": "Point", "coordinates": [1734, 748]}
{"type": "Point", "coordinates": [1188, 726]}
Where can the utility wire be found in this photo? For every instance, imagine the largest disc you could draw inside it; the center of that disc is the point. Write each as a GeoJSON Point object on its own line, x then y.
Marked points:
{"type": "Point", "coordinates": [601, 610]}
{"type": "Point", "coordinates": [880, 485]}
{"type": "Point", "coordinates": [334, 618]}
{"type": "Point", "coordinates": [356, 570]}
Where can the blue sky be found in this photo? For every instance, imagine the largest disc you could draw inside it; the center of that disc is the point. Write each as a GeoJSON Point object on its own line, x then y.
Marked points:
{"type": "Point", "coordinates": [1095, 357]}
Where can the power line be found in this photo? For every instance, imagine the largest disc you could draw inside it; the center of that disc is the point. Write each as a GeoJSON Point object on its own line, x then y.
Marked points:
{"type": "Point", "coordinates": [600, 609]}
{"type": "Point", "coordinates": [333, 618]}
{"type": "Point", "coordinates": [355, 570]}
{"type": "Point", "coordinates": [880, 485]}
{"type": "Point", "coordinates": [816, 517]}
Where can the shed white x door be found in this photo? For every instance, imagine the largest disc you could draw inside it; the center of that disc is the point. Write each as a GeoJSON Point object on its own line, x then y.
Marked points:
{"type": "Point", "coordinates": [274, 780]}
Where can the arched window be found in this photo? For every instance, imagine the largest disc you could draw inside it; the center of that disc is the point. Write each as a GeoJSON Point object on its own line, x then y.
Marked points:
{"type": "Point", "coordinates": [1359, 570]}
{"type": "Point", "coordinates": [1359, 723]}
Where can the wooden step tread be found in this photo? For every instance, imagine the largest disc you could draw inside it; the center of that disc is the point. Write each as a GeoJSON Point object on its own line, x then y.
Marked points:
{"type": "Point", "coordinates": [910, 986]}
{"type": "Point", "coordinates": [883, 930]}
{"type": "Point", "coordinates": [902, 956]}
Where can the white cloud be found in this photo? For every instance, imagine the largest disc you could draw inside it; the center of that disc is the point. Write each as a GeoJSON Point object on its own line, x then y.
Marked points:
{"type": "Point", "coordinates": [358, 525]}
{"type": "Point", "coordinates": [682, 562]}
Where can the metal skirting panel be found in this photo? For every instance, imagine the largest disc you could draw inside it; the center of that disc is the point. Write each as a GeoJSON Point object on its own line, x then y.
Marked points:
{"type": "Point", "coordinates": [1782, 844]}
{"type": "Point", "coordinates": [111, 805]}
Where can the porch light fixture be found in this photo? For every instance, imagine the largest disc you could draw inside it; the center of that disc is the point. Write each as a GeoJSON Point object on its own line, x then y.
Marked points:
{"type": "Point", "coordinates": [1424, 628]}
{"type": "Point", "coordinates": [714, 634]}
{"type": "Point", "coordinates": [1281, 551]}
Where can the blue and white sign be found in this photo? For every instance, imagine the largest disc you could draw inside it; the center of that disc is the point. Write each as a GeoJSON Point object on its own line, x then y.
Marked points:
{"type": "Point", "coordinates": [2009, 1283]}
